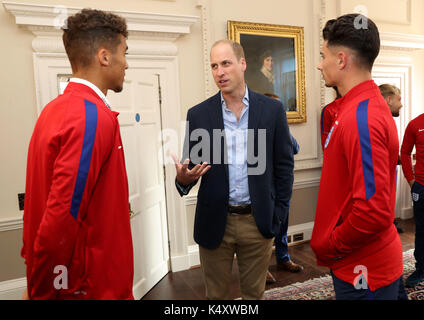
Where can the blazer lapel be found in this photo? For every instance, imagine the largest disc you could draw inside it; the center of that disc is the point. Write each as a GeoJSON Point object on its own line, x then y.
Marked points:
{"type": "Point", "coordinates": [217, 122]}
{"type": "Point", "coordinates": [215, 112]}
{"type": "Point", "coordinates": [254, 111]}
{"type": "Point", "coordinates": [255, 106]}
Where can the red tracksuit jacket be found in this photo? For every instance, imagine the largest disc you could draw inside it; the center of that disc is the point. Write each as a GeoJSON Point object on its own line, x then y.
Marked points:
{"type": "Point", "coordinates": [328, 115]}
{"type": "Point", "coordinates": [354, 233]}
{"type": "Point", "coordinates": [76, 205]}
{"type": "Point", "coordinates": [414, 135]}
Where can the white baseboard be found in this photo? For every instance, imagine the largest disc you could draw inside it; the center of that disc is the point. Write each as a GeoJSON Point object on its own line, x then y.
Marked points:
{"type": "Point", "coordinates": [179, 263]}
{"type": "Point", "coordinates": [185, 262]}
{"type": "Point", "coordinates": [12, 289]}
{"type": "Point", "coordinates": [10, 224]}
{"type": "Point", "coordinates": [407, 213]}
{"type": "Point", "coordinates": [303, 230]}
{"type": "Point", "coordinates": [193, 253]}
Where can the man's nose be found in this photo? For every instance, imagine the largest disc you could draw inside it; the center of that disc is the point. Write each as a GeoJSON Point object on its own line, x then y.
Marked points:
{"type": "Point", "coordinates": [219, 72]}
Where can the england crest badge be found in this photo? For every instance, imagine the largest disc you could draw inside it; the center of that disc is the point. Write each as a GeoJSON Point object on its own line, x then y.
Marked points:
{"type": "Point", "coordinates": [415, 196]}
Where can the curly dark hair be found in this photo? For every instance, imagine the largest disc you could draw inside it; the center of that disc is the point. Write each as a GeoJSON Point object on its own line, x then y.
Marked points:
{"type": "Point", "coordinates": [357, 33]}
{"type": "Point", "coordinates": [85, 32]}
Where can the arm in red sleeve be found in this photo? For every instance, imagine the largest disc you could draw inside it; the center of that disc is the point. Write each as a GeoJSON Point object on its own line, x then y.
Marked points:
{"type": "Point", "coordinates": [61, 235]}
{"type": "Point", "coordinates": [406, 150]}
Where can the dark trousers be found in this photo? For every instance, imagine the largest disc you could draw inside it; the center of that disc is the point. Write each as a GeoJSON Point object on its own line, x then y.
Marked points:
{"type": "Point", "coordinates": [417, 192]}
{"type": "Point", "coordinates": [346, 291]}
{"type": "Point", "coordinates": [281, 243]}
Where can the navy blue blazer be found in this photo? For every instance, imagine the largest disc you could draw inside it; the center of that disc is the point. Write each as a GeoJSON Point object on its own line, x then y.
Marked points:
{"type": "Point", "coordinates": [270, 191]}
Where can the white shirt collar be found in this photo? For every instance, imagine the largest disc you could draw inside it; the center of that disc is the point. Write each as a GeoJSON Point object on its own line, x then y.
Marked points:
{"type": "Point", "coordinates": [245, 98]}
{"type": "Point", "coordinates": [94, 87]}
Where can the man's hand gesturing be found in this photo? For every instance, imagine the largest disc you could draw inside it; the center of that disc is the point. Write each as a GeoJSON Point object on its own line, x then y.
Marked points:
{"type": "Point", "coordinates": [185, 176]}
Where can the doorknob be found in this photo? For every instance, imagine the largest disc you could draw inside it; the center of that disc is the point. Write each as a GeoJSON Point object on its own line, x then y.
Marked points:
{"type": "Point", "coordinates": [137, 117]}
{"type": "Point", "coordinates": [132, 214]}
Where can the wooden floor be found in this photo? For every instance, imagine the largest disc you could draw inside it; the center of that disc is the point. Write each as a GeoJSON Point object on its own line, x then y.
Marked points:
{"type": "Point", "coordinates": [188, 285]}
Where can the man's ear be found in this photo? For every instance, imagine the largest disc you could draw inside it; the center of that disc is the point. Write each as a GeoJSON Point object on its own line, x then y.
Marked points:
{"type": "Point", "coordinates": [389, 100]}
{"type": "Point", "coordinates": [103, 56]}
{"type": "Point", "coordinates": [243, 63]}
{"type": "Point", "coordinates": [342, 59]}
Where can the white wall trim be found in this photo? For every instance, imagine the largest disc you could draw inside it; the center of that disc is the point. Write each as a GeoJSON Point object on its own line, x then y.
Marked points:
{"type": "Point", "coordinates": [403, 12]}
{"type": "Point", "coordinates": [150, 34]}
{"type": "Point", "coordinates": [204, 6]}
{"type": "Point", "coordinates": [307, 183]}
{"type": "Point", "coordinates": [407, 213]}
{"type": "Point", "coordinates": [12, 289]}
{"type": "Point", "coordinates": [186, 261]}
{"type": "Point", "coordinates": [10, 224]}
{"type": "Point", "coordinates": [49, 18]}
{"type": "Point", "coordinates": [401, 41]}
{"type": "Point", "coordinates": [305, 228]}
{"type": "Point", "coordinates": [190, 200]}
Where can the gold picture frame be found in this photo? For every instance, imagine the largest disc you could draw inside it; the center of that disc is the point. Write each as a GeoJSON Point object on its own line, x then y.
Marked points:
{"type": "Point", "coordinates": [284, 73]}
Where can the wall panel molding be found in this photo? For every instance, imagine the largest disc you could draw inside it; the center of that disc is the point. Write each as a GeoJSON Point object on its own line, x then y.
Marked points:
{"type": "Point", "coordinates": [40, 18]}
{"type": "Point", "coordinates": [397, 12]}
{"type": "Point", "coordinates": [12, 289]}
{"type": "Point", "coordinates": [401, 41]}
{"type": "Point", "coordinates": [11, 224]}
{"type": "Point", "coordinates": [204, 6]}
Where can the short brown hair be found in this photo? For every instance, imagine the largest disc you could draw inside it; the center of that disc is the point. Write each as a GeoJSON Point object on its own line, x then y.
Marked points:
{"type": "Point", "coordinates": [389, 90]}
{"type": "Point", "coordinates": [87, 31]}
{"type": "Point", "coordinates": [237, 48]}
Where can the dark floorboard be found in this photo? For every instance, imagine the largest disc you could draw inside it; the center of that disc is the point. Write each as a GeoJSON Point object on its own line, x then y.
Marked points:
{"type": "Point", "coordinates": [188, 285]}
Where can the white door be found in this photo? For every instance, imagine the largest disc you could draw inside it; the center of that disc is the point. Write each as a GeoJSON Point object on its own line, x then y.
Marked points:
{"type": "Point", "coordinates": [140, 121]}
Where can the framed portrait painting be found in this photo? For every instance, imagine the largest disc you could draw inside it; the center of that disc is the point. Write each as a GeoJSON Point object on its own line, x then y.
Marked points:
{"type": "Point", "coordinates": [275, 63]}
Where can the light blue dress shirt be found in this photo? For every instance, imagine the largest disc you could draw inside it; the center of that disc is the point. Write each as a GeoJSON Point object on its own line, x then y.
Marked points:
{"type": "Point", "coordinates": [236, 139]}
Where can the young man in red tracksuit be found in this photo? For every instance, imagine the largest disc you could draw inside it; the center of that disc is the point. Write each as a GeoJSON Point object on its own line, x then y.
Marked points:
{"type": "Point", "coordinates": [414, 136]}
{"type": "Point", "coordinates": [354, 234]}
{"type": "Point", "coordinates": [77, 234]}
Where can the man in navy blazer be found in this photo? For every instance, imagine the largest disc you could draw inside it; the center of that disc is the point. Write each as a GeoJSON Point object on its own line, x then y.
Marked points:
{"type": "Point", "coordinates": [238, 142]}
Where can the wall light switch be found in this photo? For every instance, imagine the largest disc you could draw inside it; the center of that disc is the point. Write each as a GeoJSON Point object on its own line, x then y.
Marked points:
{"type": "Point", "coordinates": [21, 199]}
